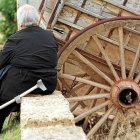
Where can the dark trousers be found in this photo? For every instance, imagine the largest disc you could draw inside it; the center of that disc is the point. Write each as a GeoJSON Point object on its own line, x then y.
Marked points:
{"type": "Point", "coordinates": [5, 112]}
{"type": "Point", "coordinates": [18, 81]}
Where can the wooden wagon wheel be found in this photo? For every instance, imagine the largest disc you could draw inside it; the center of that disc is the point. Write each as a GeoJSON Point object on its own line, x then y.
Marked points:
{"type": "Point", "coordinates": [99, 70]}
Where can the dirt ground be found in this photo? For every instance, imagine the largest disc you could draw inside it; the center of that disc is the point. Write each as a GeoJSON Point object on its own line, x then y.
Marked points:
{"type": "Point", "coordinates": [128, 128]}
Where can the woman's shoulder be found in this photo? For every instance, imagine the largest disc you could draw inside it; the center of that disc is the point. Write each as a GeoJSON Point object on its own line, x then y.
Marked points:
{"type": "Point", "coordinates": [17, 33]}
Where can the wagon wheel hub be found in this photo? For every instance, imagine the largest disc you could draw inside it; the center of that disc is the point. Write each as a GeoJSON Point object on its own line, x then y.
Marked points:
{"type": "Point", "coordinates": [125, 94]}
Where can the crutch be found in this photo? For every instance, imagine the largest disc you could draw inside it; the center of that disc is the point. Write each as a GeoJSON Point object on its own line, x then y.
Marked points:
{"type": "Point", "coordinates": [17, 99]}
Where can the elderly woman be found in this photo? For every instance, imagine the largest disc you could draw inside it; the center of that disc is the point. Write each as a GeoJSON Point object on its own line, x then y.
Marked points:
{"type": "Point", "coordinates": [32, 54]}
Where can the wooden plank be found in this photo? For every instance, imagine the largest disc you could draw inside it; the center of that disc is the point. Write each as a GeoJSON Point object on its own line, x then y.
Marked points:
{"type": "Point", "coordinates": [61, 5]}
{"type": "Point", "coordinates": [122, 7]}
{"type": "Point", "coordinates": [70, 24]}
{"type": "Point", "coordinates": [83, 10]}
{"type": "Point", "coordinates": [115, 43]}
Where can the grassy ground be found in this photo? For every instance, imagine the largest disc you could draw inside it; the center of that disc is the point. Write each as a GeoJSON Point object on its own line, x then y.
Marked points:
{"type": "Point", "coordinates": [0, 39]}
{"type": "Point", "coordinates": [11, 131]}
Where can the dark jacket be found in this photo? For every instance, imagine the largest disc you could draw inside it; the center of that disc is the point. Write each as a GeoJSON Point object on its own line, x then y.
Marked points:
{"type": "Point", "coordinates": [32, 53]}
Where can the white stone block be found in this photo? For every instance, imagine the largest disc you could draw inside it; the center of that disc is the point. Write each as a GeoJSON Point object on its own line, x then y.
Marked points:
{"type": "Point", "coordinates": [43, 111]}
{"type": "Point", "coordinates": [54, 133]}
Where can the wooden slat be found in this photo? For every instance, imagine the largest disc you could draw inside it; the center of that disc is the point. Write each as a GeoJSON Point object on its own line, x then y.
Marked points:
{"type": "Point", "coordinates": [56, 14]}
{"type": "Point", "coordinates": [84, 10]}
{"type": "Point", "coordinates": [122, 7]}
{"type": "Point", "coordinates": [115, 43]}
{"type": "Point", "coordinates": [70, 24]}
{"type": "Point", "coordinates": [103, 37]}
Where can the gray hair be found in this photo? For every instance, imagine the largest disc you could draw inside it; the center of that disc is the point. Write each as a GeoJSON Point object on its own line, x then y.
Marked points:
{"type": "Point", "coordinates": [27, 15]}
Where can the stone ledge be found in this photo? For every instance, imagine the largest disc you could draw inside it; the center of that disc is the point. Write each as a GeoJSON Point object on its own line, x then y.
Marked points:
{"type": "Point", "coordinates": [54, 133]}
{"type": "Point", "coordinates": [48, 110]}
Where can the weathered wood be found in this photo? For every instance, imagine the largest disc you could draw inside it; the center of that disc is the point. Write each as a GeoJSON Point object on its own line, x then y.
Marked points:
{"type": "Point", "coordinates": [74, 107]}
{"type": "Point", "coordinates": [122, 59]}
{"type": "Point", "coordinates": [83, 10]}
{"type": "Point", "coordinates": [137, 79]}
{"type": "Point", "coordinates": [85, 114]}
{"type": "Point", "coordinates": [106, 58]}
{"type": "Point", "coordinates": [115, 43]}
{"type": "Point", "coordinates": [71, 9]}
{"type": "Point", "coordinates": [114, 126]}
{"type": "Point", "coordinates": [89, 64]}
{"type": "Point", "coordinates": [70, 24]}
{"type": "Point", "coordinates": [100, 122]}
{"type": "Point", "coordinates": [78, 86]}
{"type": "Point", "coordinates": [122, 7]}
{"type": "Point", "coordinates": [135, 63]}
{"type": "Point", "coordinates": [73, 93]}
{"type": "Point", "coordinates": [88, 97]}
{"type": "Point", "coordinates": [84, 81]}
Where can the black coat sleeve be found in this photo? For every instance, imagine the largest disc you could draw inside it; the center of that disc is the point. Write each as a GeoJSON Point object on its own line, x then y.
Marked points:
{"type": "Point", "coordinates": [7, 53]}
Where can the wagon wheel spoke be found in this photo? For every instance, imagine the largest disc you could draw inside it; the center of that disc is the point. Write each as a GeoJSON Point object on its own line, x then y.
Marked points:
{"type": "Point", "coordinates": [135, 63]}
{"type": "Point", "coordinates": [100, 122]}
{"type": "Point", "coordinates": [74, 94]}
{"type": "Point", "coordinates": [88, 97]}
{"type": "Point", "coordinates": [92, 104]}
{"type": "Point", "coordinates": [114, 126]}
{"type": "Point", "coordinates": [122, 59]}
{"type": "Point", "coordinates": [76, 104]}
{"type": "Point", "coordinates": [89, 64]}
{"type": "Point", "coordinates": [106, 57]}
{"type": "Point", "coordinates": [78, 79]}
{"type": "Point", "coordinates": [80, 117]}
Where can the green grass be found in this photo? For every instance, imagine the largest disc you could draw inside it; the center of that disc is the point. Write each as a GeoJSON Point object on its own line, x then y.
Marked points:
{"type": "Point", "coordinates": [0, 33]}
{"type": "Point", "coordinates": [1, 38]}
{"type": "Point", "coordinates": [11, 131]}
